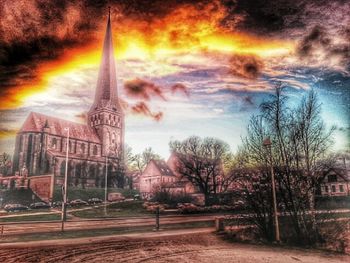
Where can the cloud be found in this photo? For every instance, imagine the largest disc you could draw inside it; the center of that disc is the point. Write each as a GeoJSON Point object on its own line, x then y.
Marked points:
{"type": "Point", "coordinates": [142, 89]}
{"type": "Point", "coordinates": [245, 66]}
{"type": "Point", "coordinates": [142, 108]}
{"type": "Point", "coordinates": [82, 117]}
{"type": "Point", "coordinates": [179, 87]}
{"type": "Point", "coordinates": [4, 132]}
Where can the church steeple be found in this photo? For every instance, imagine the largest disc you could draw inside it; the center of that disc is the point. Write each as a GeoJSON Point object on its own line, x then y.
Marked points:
{"type": "Point", "coordinates": [106, 116]}
{"type": "Point", "coordinates": [106, 89]}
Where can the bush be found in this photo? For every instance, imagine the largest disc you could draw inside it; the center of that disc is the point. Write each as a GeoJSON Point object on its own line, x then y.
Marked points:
{"type": "Point", "coordinates": [171, 199]}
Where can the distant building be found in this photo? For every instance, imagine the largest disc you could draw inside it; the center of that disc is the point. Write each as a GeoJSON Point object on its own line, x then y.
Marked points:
{"type": "Point", "coordinates": [41, 142]}
{"type": "Point", "coordinates": [337, 181]}
{"type": "Point", "coordinates": [156, 175]}
{"type": "Point", "coordinates": [159, 174]}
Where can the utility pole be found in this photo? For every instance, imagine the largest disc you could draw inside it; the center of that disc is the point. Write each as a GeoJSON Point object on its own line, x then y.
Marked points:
{"type": "Point", "coordinates": [267, 143]}
{"type": "Point", "coordinates": [106, 176]}
{"type": "Point", "coordinates": [64, 190]}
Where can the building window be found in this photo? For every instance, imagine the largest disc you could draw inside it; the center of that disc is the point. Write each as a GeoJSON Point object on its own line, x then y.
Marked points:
{"type": "Point", "coordinates": [332, 178]}
{"type": "Point", "coordinates": [341, 188]}
{"type": "Point", "coordinates": [334, 189]}
{"type": "Point", "coordinates": [82, 148]}
{"type": "Point", "coordinates": [21, 143]}
{"type": "Point", "coordinates": [326, 189]}
{"type": "Point", "coordinates": [94, 152]}
{"type": "Point", "coordinates": [54, 143]}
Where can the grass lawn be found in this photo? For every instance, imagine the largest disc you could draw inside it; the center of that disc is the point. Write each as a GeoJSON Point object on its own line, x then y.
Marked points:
{"type": "Point", "coordinates": [86, 194]}
{"type": "Point", "coordinates": [100, 232]}
{"type": "Point", "coordinates": [47, 217]}
{"type": "Point", "coordinates": [127, 208]}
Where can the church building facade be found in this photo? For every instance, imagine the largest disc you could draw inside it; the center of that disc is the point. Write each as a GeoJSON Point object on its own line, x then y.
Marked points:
{"type": "Point", "coordinates": [41, 143]}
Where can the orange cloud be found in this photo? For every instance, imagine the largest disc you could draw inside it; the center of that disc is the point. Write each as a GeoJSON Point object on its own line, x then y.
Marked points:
{"type": "Point", "coordinates": [188, 28]}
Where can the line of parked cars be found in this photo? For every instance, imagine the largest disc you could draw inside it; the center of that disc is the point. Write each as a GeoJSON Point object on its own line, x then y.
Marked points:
{"type": "Point", "coordinates": [58, 204]}
{"type": "Point", "coordinates": [112, 197]}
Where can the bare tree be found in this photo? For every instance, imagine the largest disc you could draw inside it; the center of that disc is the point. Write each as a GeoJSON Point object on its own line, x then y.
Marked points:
{"type": "Point", "coordinates": [200, 162]}
{"type": "Point", "coordinates": [300, 142]}
{"type": "Point", "coordinates": [139, 161]}
{"type": "Point", "coordinates": [5, 163]}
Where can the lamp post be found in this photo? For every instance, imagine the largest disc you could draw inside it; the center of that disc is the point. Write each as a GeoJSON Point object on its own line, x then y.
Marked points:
{"type": "Point", "coordinates": [64, 190]}
{"type": "Point", "coordinates": [267, 143]}
{"type": "Point", "coordinates": [106, 176]}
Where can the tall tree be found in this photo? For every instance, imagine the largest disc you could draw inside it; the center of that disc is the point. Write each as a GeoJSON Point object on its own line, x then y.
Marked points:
{"type": "Point", "coordinates": [200, 161]}
{"type": "Point", "coordinates": [300, 141]}
{"type": "Point", "coordinates": [5, 163]}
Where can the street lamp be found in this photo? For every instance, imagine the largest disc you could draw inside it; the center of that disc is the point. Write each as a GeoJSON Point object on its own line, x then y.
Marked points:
{"type": "Point", "coordinates": [267, 143]}
{"type": "Point", "coordinates": [64, 190]}
{"type": "Point", "coordinates": [106, 176]}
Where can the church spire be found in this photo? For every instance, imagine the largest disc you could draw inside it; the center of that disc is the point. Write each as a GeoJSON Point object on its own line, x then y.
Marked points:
{"type": "Point", "coordinates": [106, 89]}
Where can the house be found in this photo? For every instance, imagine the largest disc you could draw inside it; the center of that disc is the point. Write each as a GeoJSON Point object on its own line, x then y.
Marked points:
{"type": "Point", "coordinates": [337, 180]}
{"type": "Point", "coordinates": [159, 174]}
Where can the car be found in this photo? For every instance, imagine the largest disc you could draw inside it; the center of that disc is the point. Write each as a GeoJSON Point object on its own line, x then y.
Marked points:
{"type": "Point", "coordinates": [95, 200]}
{"type": "Point", "coordinates": [77, 202]}
{"type": "Point", "coordinates": [15, 207]}
{"type": "Point", "coordinates": [57, 204]}
{"type": "Point", "coordinates": [39, 205]}
{"type": "Point", "coordinates": [115, 197]}
{"type": "Point", "coordinates": [137, 197]}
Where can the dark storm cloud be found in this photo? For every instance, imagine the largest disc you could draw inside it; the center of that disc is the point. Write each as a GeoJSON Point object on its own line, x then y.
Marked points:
{"type": "Point", "coordinates": [319, 39]}
{"type": "Point", "coordinates": [37, 31]}
{"type": "Point", "coordinates": [179, 87]}
{"type": "Point", "coordinates": [142, 108]}
{"type": "Point", "coordinates": [245, 66]}
{"type": "Point", "coordinates": [142, 89]}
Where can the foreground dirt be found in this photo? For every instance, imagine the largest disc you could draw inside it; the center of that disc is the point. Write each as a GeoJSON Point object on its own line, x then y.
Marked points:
{"type": "Point", "coordinates": [173, 246]}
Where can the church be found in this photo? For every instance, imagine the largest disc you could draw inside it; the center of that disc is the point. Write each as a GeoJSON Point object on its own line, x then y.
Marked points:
{"type": "Point", "coordinates": [41, 143]}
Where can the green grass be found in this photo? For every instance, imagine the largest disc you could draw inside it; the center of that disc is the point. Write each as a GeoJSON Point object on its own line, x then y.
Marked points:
{"type": "Point", "coordinates": [17, 196]}
{"type": "Point", "coordinates": [86, 194]}
{"type": "Point", "coordinates": [47, 217]}
{"type": "Point", "coordinates": [100, 232]}
{"type": "Point", "coordinates": [122, 209]}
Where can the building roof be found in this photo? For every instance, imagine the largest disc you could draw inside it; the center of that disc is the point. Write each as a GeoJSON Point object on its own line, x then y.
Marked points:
{"type": "Point", "coordinates": [163, 168]}
{"type": "Point", "coordinates": [36, 122]}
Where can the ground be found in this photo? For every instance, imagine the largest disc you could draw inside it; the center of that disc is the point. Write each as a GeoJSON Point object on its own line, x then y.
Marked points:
{"type": "Point", "coordinates": [167, 246]}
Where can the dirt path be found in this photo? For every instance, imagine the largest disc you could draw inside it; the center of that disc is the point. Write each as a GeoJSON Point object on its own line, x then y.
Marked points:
{"type": "Point", "coordinates": [171, 246]}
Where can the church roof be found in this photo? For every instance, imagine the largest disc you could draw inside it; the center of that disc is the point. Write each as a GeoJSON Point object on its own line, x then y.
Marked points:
{"type": "Point", "coordinates": [106, 89]}
{"type": "Point", "coordinates": [36, 122]}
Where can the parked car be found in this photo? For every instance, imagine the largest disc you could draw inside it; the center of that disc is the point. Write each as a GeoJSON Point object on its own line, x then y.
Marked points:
{"type": "Point", "coordinates": [57, 204]}
{"type": "Point", "coordinates": [39, 205]}
{"type": "Point", "coordinates": [15, 207]}
{"type": "Point", "coordinates": [137, 197]}
{"type": "Point", "coordinates": [115, 197]}
{"type": "Point", "coordinates": [95, 200]}
{"type": "Point", "coordinates": [78, 202]}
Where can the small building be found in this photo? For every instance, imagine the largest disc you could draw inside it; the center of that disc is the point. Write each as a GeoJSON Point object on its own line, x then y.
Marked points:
{"type": "Point", "coordinates": [157, 175]}
{"type": "Point", "coordinates": [336, 181]}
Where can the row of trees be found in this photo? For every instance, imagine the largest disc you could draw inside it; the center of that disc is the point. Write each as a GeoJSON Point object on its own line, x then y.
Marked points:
{"type": "Point", "coordinates": [299, 155]}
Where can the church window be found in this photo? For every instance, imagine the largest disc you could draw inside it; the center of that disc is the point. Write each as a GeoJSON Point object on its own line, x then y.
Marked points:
{"type": "Point", "coordinates": [82, 148]}
{"type": "Point", "coordinates": [54, 143]}
{"type": "Point", "coordinates": [113, 138]}
{"type": "Point", "coordinates": [95, 150]}
{"type": "Point", "coordinates": [110, 116]}
{"type": "Point", "coordinates": [21, 143]}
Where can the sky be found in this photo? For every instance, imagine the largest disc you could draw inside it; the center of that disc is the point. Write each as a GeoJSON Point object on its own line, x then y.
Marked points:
{"type": "Point", "coordinates": [183, 67]}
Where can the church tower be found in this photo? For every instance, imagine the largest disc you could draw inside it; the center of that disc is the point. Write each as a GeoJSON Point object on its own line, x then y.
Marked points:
{"type": "Point", "coordinates": [106, 116]}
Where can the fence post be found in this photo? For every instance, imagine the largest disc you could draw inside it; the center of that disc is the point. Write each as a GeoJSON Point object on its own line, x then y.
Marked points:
{"type": "Point", "coordinates": [157, 218]}
{"type": "Point", "coordinates": [219, 224]}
